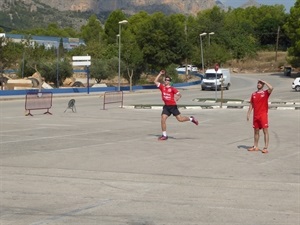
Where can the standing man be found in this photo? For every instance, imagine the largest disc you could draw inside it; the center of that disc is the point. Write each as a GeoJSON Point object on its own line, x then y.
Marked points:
{"type": "Point", "coordinates": [259, 104]}
{"type": "Point", "coordinates": [170, 96]}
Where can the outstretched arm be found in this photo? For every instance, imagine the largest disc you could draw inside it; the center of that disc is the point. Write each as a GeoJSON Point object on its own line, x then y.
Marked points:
{"type": "Point", "coordinates": [162, 72]}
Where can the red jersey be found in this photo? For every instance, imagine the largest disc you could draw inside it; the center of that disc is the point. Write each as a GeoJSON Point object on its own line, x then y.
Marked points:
{"type": "Point", "coordinates": [259, 101]}
{"type": "Point", "coordinates": [167, 94]}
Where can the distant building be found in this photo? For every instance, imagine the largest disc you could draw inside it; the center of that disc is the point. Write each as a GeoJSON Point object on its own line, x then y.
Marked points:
{"type": "Point", "coordinates": [47, 41]}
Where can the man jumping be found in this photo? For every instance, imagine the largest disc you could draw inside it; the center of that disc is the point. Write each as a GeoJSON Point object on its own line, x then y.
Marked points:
{"type": "Point", "coordinates": [170, 96]}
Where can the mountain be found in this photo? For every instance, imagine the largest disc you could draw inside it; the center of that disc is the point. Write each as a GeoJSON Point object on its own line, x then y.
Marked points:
{"type": "Point", "coordinates": [221, 5]}
{"type": "Point", "coordinates": [23, 14]}
{"type": "Point", "coordinates": [250, 3]}
{"type": "Point", "coordinates": [26, 14]}
{"type": "Point", "coordinates": [130, 6]}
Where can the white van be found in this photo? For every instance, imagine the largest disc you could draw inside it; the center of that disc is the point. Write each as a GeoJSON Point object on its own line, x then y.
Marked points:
{"type": "Point", "coordinates": [213, 78]}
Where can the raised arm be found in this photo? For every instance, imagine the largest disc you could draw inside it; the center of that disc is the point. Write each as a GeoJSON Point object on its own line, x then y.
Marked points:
{"type": "Point", "coordinates": [162, 72]}
{"type": "Point", "coordinates": [269, 86]}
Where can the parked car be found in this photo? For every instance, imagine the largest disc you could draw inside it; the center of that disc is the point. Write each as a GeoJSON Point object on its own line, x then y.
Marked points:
{"type": "Point", "coordinates": [190, 68]}
{"type": "Point", "coordinates": [296, 84]}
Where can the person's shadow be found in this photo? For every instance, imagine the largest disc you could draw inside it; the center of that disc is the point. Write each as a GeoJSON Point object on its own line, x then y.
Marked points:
{"type": "Point", "coordinates": [243, 147]}
{"type": "Point", "coordinates": [155, 135]}
{"type": "Point", "coordinates": [171, 137]}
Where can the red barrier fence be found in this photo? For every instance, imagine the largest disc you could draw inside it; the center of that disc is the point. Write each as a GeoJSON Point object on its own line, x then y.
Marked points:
{"type": "Point", "coordinates": [38, 100]}
{"type": "Point", "coordinates": [113, 97]}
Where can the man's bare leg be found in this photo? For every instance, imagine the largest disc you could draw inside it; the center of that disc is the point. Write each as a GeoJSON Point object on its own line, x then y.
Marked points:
{"type": "Point", "coordinates": [256, 139]}
{"type": "Point", "coordinates": [266, 139]}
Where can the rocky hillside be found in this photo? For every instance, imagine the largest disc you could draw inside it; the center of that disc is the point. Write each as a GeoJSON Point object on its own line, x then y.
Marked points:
{"type": "Point", "coordinates": [250, 3]}
{"type": "Point", "coordinates": [128, 6]}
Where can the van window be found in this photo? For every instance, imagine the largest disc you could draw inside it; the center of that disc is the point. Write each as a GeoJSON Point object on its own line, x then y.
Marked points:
{"type": "Point", "coordinates": [212, 76]}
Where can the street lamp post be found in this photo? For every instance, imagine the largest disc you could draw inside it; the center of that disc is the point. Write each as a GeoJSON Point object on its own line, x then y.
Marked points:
{"type": "Point", "coordinates": [117, 38]}
{"type": "Point", "coordinates": [216, 88]}
{"type": "Point", "coordinates": [186, 60]}
{"type": "Point", "coordinates": [119, 74]}
{"type": "Point", "coordinates": [57, 61]}
{"type": "Point", "coordinates": [203, 34]}
{"type": "Point", "coordinates": [23, 62]}
{"type": "Point", "coordinates": [211, 33]}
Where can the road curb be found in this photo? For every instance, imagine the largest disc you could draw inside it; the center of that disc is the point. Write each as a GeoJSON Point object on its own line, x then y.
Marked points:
{"type": "Point", "coordinates": [291, 107]}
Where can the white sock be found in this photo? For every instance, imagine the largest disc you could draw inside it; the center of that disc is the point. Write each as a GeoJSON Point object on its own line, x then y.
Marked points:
{"type": "Point", "coordinates": [191, 119]}
{"type": "Point", "coordinates": [165, 133]}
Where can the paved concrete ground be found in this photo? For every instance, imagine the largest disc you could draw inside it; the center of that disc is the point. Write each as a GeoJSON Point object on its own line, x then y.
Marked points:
{"type": "Point", "coordinates": [106, 167]}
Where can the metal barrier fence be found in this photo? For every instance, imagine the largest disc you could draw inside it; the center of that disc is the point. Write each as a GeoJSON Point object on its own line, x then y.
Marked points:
{"type": "Point", "coordinates": [38, 100]}
{"type": "Point", "coordinates": [113, 97]}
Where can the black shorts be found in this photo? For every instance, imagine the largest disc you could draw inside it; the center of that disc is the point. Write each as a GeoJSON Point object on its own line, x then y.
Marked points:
{"type": "Point", "coordinates": [170, 109]}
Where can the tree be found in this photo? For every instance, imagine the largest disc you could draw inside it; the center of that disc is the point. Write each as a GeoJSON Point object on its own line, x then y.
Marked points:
{"type": "Point", "coordinates": [292, 29]}
{"type": "Point", "coordinates": [161, 41]}
{"type": "Point", "coordinates": [61, 50]}
{"type": "Point", "coordinates": [156, 41]}
{"type": "Point", "coordinates": [216, 53]}
{"type": "Point", "coordinates": [80, 50]}
{"type": "Point", "coordinates": [268, 19]}
{"type": "Point", "coordinates": [99, 70]}
{"type": "Point", "coordinates": [133, 59]}
{"type": "Point", "coordinates": [112, 25]}
{"type": "Point", "coordinates": [238, 34]}
{"type": "Point", "coordinates": [51, 71]}
{"type": "Point", "coordinates": [92, 31]}
{"type": "Point", "coordinates": [33, 56]}
{"type": "Point", "coordinates": [214, 49]}
{"type": "Point", "coordinates": [51, 30]}
{"type": "Point", "coordinates": [9, 55]}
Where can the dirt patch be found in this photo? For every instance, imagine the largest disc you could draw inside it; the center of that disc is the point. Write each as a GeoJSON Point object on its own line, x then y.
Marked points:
{"type": "Point", "coordinates": [263, 62]}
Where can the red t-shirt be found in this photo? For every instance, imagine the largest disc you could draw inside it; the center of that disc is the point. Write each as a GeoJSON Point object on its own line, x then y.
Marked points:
{"type": "Point", "coordinates": [259, 100]}
{"type": "Point", "coordinates": [167, 94]}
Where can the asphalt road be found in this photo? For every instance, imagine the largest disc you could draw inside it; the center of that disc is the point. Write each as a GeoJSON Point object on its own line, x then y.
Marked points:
{"type": "Point", "coordinates": [107, 167]}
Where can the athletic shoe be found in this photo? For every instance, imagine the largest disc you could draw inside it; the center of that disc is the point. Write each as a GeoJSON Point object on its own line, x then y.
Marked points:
{"type": "Point", "coordinates": [163, 138]}
{"type": "Point", "coordinates": [194, 120]}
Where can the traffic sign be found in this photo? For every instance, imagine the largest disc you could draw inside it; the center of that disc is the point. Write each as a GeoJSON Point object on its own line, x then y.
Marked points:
{"type": "Point", "coordinates": [81, 63]}
{"type": "Point", "coordinates": [81, 58]}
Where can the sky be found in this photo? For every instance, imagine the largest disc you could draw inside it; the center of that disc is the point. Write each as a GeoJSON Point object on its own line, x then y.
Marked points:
{"type": "Point", "coordinates": [237, 3]}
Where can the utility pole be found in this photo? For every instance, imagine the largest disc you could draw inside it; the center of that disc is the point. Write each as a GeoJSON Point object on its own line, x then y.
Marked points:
{"type": "Point", "coordinates": [186, 60]}
{"type": "Point", "coordinates": [277, 42]}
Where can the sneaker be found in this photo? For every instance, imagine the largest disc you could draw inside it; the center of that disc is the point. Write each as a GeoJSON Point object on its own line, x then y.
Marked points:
{"type": "Point", "coordinates": [194, 120]}
{"type": "Point", "coordinates": [163, 138]}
